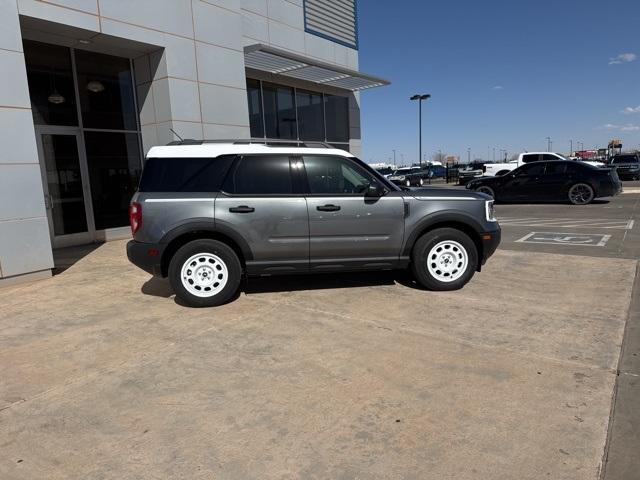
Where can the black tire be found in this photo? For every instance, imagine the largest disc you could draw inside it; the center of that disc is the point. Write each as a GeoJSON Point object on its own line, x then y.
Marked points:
{"type": "Point", "coordinates": [581, 194]}
{"type": "Point", "coordinates": [205, 246]}
{"type": "Point", "coordinates": [488, 190]}
{"type": "Point", "coordinates": [422, 249]}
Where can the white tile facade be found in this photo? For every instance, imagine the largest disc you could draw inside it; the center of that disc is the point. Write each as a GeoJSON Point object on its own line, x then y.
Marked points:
{"type": "Point", "coordinates": [190, 77]}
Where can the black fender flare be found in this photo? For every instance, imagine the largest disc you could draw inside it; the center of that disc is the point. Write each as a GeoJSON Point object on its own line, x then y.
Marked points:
{"type": "Point", "coordinates": [444, 217]}
{"type": "Point", "coordinates": [210, 226]}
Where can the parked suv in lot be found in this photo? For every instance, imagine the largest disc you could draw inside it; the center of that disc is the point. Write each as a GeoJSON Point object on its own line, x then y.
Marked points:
{"type": "Point", "coordinates": [207, 213]}
{"type": "Point", "coordinates": [627, 165]}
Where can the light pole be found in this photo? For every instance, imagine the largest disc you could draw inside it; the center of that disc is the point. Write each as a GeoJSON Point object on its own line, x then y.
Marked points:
{"type": "Point", "coordinates": [549, 143]}
{"type": "Point", "coordinates": [420, 98]}
{"type": "Point", "coordinates": [570, 147]}
{"type": "Point", "coordinates": [494, 154]}
{"type": "Point", "coordinates": [394, 157]}
{"type": "Point", "coordinates": [468, 155]}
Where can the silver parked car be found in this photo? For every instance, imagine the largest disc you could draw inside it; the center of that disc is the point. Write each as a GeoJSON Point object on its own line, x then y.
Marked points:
{"type": "Point", "coordinates": [207, 213]}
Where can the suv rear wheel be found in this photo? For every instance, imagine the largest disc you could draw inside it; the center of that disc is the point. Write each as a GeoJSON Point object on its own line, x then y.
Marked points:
{"type": "Point", "coordinates": [205, 273]}
{"type": "Point", "coordinates": [444, 259]}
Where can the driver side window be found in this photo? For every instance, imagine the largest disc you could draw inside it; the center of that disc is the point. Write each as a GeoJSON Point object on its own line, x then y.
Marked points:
{"type": "Point", "coordinates": [336, 176]}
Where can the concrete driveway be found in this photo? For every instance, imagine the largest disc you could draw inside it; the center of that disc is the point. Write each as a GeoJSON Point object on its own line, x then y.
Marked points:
{"type": "Point", "coordinates": [104, 375]}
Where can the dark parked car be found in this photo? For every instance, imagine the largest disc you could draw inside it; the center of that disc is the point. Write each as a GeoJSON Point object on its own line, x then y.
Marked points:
{"type": "Point", "coordinates": [556, 180]}
{"type": "Point", "coordinates": [627, 165]}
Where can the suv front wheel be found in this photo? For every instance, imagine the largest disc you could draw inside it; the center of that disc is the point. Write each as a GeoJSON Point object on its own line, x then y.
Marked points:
{"type": "Point", "coordinates": [444, 259]}
{"type": "Point", "coordinates": [205, 273]}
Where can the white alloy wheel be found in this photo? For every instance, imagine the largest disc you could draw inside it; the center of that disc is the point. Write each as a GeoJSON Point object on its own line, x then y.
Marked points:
{"type": "Point", "coordinates": [447, 261]}
{"type": "Point", "coordinates": [204, 275]}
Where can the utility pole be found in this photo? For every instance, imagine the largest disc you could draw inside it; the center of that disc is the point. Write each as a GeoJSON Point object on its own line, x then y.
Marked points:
{"type": "Point", "coordinates": [420, 98]}
{"type": "Point", "coordinates": [394, 157]}
{"type": "Point", "coordinates": [468, 155]}
{"type": "Point", "coordinates": [570, 147]}
{"type": "Point", "coordinates": [494, 154]}
{"type": "Point", "coordinates": [548, 144]}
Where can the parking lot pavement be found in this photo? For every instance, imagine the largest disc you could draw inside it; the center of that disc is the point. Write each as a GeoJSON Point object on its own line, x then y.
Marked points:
{"type": "Point", "coordinates": [605, 228]}
{"type": "Point", "coordinates": [104, 375]}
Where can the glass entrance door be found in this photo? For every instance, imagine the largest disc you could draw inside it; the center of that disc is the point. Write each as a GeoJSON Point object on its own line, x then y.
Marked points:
{"type": "Point", "coordinates": [67, 197]}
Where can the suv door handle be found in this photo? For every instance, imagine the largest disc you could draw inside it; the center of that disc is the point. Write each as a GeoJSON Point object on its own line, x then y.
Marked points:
{"type": "Point", "coordinates": [328, 208]}
{"type": "Point", "coordinates": [242, 209]}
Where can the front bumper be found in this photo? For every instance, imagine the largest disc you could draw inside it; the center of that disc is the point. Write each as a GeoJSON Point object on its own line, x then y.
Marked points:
{"type": "Point", "coordinates": [490, 242]}
{"type": "Point", "coordinates": [147, 256]}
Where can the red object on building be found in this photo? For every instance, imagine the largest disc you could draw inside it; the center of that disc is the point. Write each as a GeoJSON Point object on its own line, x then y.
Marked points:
{"type": "Point", "coordinates": [586, 153]}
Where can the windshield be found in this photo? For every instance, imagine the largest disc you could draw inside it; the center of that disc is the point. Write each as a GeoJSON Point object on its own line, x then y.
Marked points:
{"type": "Point", "coordinates": [626, 159]}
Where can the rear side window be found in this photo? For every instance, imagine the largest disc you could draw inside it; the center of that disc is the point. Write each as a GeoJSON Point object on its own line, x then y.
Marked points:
{"type": "Point", "coordinates": [530, 158]}
{"type": "Point", "coordinates": [184, 174]}
{"type": "Point", "coordinates": [260, 175]}
{"type": "Point", "coordinates": [537, 169]}
{"type": "Point", "coordinates": [556, 168]}
{"type": "Point", "coordinates": [550, 156]}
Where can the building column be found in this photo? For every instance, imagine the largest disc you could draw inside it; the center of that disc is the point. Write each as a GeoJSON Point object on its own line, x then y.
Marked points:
{"type": "Point", "coordinates": [25, 244]}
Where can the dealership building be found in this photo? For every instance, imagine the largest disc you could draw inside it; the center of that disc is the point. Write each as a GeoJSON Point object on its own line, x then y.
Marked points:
{"type": "Point", "coordinates": [88, 86]}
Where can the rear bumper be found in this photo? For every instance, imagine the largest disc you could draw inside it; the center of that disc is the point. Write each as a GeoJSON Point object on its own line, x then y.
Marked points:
{"type": "Point", "coordinates": [490, 242]}
{"type": "Point", "coordinates": [146, 256]}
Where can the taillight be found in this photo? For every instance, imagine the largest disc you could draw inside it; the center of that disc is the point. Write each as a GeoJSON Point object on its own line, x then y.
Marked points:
{"type": "Point", "coordinates": [135, 216]}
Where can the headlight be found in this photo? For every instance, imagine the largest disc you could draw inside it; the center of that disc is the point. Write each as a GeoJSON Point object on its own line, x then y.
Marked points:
{"type": "Point", "coordinates": [490, 211]}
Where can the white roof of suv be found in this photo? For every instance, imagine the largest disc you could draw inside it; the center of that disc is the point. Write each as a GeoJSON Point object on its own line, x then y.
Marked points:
{"type": "Point", "coordinates": [217, 149]}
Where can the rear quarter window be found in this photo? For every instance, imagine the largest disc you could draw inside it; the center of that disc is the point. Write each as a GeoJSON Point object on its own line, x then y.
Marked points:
{"type": "Point", "coordinates": [184, 174]}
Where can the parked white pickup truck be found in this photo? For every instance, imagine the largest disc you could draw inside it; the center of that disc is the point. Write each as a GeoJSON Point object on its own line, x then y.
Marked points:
{"type": "Point", "coordinates": [497, 169]}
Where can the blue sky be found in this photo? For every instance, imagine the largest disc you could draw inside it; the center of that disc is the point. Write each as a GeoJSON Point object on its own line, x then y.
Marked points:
{"type": "Point", "coordinates": [502, 74]}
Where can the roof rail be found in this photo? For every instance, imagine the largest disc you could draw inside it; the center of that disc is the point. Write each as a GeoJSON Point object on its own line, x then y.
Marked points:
{"type": "Point", "coordinates": [275, 142]}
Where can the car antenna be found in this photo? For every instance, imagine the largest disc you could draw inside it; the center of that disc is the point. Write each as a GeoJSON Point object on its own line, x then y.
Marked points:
{"type": "Point", "coordinates": [174, 132]}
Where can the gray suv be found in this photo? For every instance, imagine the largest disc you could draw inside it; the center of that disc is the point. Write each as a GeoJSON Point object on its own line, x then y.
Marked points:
{"type": "Point", "coordinates": [208, 213]}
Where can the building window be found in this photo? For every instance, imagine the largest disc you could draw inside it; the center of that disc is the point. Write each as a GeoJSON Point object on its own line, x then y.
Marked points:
{"type": "Point", "coordinates": [310, 115]}
{"type": "Point", "coordinates": [337, 111]}
{"type": "Point", "coordinates": [61, 79]}
{"type": "Point", "coordinates": [279, 111]}
{"type": "Point", "coordinates": [296, 114]}
{"type": "Point", "coordinates": [334, 20]}
{"type": "Point", "coordinates": [254, 98]}
{"type": "Point", "coordinates": [113, 159]}
{"type": "Point", "coordinates": [50, 78]}
{"type": "Point", "coordinates": [105, 86]}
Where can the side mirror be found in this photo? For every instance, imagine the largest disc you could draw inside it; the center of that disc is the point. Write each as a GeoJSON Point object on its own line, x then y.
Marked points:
{"type": "Point", "coordinates": [374, 190]}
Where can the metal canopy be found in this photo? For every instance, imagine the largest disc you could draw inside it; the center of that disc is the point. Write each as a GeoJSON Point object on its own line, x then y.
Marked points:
{"type": "Point", "coordinates": [281, 62]}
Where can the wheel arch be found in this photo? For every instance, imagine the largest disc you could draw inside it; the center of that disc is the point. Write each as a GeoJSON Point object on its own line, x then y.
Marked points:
{"type": "Point", "coordinates": [184, 234]}
{"type": "Point", "coordinates": [461, 222]}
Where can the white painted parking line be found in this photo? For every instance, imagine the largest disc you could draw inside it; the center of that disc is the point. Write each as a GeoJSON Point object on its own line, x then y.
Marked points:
{"type": "Point", "coordinates": [563, 238]}
{"type": "Point", "coordinates": [568, 222]}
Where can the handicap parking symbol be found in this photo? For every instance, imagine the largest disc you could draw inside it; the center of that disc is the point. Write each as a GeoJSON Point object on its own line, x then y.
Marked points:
{"type": "Point", "coordinates": [555, 238]}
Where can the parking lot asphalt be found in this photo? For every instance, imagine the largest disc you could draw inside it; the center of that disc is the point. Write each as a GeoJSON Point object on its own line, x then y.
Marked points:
{"type": "Point", "coordinates": [605, 228]}
{"type": "Point", "coordinates": [104, 375]}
